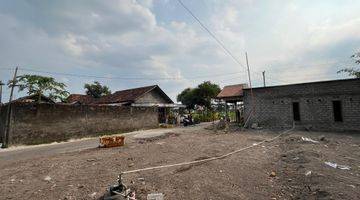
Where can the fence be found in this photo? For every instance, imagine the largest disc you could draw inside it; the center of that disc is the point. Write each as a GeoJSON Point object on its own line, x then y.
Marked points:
{"type": "Point", "coordinates": [44, 123]}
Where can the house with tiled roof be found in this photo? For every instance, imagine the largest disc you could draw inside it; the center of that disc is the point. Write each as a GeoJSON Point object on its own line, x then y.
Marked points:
{"type": "Point", "coordinates": [233, 95]}
{"type": "Point", "coordinates": [80, 99]}
{"type": "Point", "coordinates": [148, 96]}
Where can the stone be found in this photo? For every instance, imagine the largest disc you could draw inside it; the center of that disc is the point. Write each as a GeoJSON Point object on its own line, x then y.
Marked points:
{"type": "Point", "coordinates": [322, 138]}
{"type": "Point", "coordinates": [272, 174]}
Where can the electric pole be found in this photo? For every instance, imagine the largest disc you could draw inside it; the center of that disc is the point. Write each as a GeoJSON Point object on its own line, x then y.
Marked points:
{"type": "Point", "coordinates": [263, 73]}
{"type": "Point", "coordinates": [8, 113]}
{"type": "Point", "coordinates": [1, 84]}
{"type": "Point", "coordinates": [248, 68]}
{"type": "Point", "coordinates": [251, 92]}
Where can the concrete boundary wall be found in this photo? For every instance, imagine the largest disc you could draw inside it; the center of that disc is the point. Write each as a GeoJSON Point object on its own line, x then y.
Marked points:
{"type": "Point", "coordinates": [274, 105]}
{"type": "Point", "coordinates": [44, 123]}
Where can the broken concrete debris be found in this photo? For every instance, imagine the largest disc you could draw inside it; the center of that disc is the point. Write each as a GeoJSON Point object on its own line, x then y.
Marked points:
{"type": "Point", "coordinates": [112, 141]}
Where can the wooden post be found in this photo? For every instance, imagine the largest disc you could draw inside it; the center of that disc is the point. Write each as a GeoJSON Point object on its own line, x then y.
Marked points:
{"type": "Point", "coordinates": [263, 73]}
{"type": "Point", "coordinates": [1, 84]}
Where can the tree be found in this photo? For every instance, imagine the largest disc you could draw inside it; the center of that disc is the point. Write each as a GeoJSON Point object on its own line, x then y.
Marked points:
{"type": "Point", "coordinates": [352, 71]}
{"type": "Point", "coordinates": [96, 90]}
{"type": "Point", "coordinates": [41, 85]}
{"type": "Point", "coordinates": [205, 92]}
{"type": "Point", "coordinates": [187, 98]}
{"type": "Point", "coordinates": [201, 95]}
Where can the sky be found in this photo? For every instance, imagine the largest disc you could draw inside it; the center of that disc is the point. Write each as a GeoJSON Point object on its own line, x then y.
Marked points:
{"type": "Point", "coordinates": [133, 43]}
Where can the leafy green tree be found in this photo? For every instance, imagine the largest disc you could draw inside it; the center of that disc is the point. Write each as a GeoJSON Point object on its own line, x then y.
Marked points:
{"type": "Point", "coordinates": [96, 90]}
{"type": "Point", "coordinates": [352, 71]}
{"type": "Point", "coordinates": [41, 85]}
{"type": "Point", "coordinates": [201, 95]}
{"type": "Point", "coordinates": [205, 92]}
{"type": "Point", "coordinates": [187, 98]}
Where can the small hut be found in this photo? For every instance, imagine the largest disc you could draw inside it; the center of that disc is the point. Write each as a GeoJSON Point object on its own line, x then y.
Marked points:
{"type": "Point", "coordinates": [233, 95]}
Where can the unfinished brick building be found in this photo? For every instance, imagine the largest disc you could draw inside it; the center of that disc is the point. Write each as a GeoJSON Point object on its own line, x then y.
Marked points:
{"type": "Point", "coordinates": [326, 105]}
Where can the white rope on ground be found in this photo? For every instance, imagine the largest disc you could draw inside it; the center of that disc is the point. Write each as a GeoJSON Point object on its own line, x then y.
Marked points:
{"type": "Point", "coordinates": [208, 159]}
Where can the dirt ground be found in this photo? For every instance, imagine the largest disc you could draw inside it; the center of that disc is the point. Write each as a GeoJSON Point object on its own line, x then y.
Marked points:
{"type": "Point", "coordinates": [286, 168]}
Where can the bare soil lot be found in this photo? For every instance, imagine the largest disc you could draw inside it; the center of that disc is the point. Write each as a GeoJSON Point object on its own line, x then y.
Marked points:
{"type": "Point", "coordinates": [246, 175]}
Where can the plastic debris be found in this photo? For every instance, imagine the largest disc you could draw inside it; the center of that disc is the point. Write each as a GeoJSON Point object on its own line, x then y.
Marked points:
{"type": "Point", "coordinates": [309, 140]}
{"type": "Point", "coordinates": [47, 178]}
{"type": "Point", "coordinates": [308, 173]}
{"type": "Point", "coordinates": [344, 167]}
{"type": "Point", "coordinates": [337, 166]}
{"type": "Point", "coordinates": [93, 195]}
{"type": "Point", "coordinates": [155, 196]}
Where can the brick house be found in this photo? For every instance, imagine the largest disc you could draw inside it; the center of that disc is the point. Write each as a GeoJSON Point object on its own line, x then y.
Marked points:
{"type": "Point", "coordinates": [148, 96]}
{"type": "Point", "coordinates": [326, 105]}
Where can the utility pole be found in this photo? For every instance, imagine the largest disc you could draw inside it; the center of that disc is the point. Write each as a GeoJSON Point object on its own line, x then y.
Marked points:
{"type": "Point", "coordinates": [1, 84]}
{"type": "Point", "coordinates": [251, 92]}
{"type": "Point", "coordinates": [8, 113]}
{"type": "Point", "coordinates": [263, 73]}
{"type": "Point", "coordinates": [248, 68]}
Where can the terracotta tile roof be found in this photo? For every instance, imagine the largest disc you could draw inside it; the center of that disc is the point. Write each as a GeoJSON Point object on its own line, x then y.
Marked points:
{"type": "Point", "coordinates": [81, 98]}
{"type": "Point", "coordinates": [126, 96]}
{"type": "Point", "coordinates": [123, 96]}
{"type": "Point", "coordinates": [33, 98]}
{"type": "Point", "coordinates": [232, 91]}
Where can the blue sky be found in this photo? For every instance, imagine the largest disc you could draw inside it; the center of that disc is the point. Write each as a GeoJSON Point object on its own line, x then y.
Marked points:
{"type": "Point", "coordinates": [158, 42]}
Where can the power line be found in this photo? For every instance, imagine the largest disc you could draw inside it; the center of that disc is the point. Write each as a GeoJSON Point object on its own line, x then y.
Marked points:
{"type": "Point", "coordinates": [211, 34]}
{"type": "Point", "coordinates": [162, 78]}
{"type": "Point", "coordinates": [127, 78]}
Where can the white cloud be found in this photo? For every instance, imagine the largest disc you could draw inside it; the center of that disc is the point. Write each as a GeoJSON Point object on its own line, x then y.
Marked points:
{"type": "Point", "coordinates": [129, 38]}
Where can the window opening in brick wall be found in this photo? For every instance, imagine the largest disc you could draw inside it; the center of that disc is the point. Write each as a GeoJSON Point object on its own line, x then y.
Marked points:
{"type": "Point", "coordinates": [337, 111]}
{"type": "Point", "coordinates": [296, 111]}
